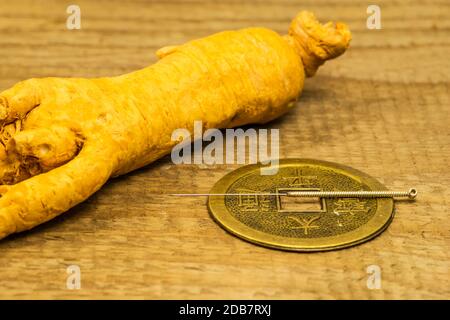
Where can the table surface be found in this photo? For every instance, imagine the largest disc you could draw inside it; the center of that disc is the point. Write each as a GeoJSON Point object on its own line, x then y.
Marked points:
{"type": "Point", "coordinates": [382, 108]}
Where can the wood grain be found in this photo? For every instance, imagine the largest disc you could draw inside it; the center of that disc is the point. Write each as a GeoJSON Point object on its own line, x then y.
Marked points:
{"type": "Point", "coordinates": [382, 108]}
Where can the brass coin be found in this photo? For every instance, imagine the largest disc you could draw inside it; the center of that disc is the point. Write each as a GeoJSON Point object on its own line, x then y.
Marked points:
{"type": "Point", "coordinates": [252, 207]}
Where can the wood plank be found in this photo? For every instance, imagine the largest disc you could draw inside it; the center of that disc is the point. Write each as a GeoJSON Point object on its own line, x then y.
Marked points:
{"type": "Point", "coordinates": [381, 108]}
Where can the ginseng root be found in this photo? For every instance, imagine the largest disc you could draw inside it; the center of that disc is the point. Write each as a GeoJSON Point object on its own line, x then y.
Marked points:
{"type": "Point", "coordinates": [63, 138]}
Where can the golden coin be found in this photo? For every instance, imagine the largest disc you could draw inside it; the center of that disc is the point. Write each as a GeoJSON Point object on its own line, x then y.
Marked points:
{"type": "Point", "coordinates": [253, 206]}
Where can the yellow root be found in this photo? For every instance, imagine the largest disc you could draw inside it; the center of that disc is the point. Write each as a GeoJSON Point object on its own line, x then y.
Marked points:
{"type": "Point", "coordinates": [63, 138]}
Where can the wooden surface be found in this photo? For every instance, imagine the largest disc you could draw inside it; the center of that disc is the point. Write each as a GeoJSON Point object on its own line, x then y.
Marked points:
{"type": "Point", "coordinates": [382, 108]}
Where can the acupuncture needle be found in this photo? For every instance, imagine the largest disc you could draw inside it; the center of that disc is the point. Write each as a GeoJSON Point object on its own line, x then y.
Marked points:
{"type": "Point", "coordinates": [410, 194]}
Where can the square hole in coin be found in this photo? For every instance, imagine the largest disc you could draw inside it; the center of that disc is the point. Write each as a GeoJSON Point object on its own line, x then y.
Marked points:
{"type": "Point", "coordinates": [300, 204]}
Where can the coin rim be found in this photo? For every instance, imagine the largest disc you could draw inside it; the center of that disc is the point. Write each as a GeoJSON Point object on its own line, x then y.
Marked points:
{"type": "Point", "coordinates": [379, 222]}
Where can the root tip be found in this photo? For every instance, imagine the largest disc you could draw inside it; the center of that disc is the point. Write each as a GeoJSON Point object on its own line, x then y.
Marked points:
{"type": "Point", "coordinates": [318, 42]}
